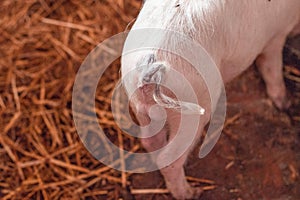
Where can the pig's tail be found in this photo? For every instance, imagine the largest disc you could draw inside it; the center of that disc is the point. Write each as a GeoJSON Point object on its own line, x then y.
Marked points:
{"type": "Point", "coordinates": [154, 73]}
{"type": "Point", "coordinates": [180, 106]}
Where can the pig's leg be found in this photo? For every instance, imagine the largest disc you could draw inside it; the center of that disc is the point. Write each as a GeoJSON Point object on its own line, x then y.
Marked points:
{"type": "Point", "coordinates": [150, 143]}
{"type": "Point", "coordinates": [156, 142]}
{"type": "Point", "coordinates": [176, 182]}
{"type": "Point", "coordinates": [174, 174]}
{"type": "Point", "coordinates": [270, 65]}
{"type": "Point", "coordinates": [296, 30]}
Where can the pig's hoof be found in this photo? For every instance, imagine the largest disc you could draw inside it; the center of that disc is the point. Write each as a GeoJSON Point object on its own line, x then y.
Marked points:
{"type": "Point", "coordinates": [191, 193]}
{"type": "Point", "coordinates": [196, 193]}
{"type": "Point", "coordinates": [282, 103]}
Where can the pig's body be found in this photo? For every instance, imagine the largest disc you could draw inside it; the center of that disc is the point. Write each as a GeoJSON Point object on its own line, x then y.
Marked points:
{"type": "Point", "coordinates": [234, 33]}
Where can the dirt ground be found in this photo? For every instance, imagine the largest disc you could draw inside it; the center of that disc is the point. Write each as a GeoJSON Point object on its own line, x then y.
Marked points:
{"type": "Point", "coordinates": [42, 45]}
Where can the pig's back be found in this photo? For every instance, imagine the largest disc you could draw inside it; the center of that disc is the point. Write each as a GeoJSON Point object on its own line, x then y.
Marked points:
{"type": "Point", "coordinates": [249, 27]}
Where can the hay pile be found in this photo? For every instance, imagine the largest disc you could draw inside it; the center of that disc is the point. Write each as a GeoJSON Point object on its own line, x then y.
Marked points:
{"type": "Point", "coordinates": [42, 45]}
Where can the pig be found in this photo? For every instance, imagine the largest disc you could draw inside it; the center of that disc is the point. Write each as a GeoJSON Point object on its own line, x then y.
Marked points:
{"type": "Point", "coordinates": [235, 34]}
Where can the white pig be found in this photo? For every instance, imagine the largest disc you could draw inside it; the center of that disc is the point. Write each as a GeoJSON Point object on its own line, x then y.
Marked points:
{"type": "Point", "coordinates": [235, 33]}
